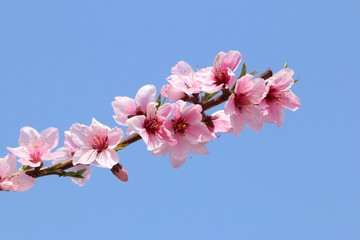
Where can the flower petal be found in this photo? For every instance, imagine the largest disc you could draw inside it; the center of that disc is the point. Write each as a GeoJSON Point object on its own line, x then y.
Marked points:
{"type": "Point", "coordinates": [114, 137]}
{"type": "Point", "coordinates": [23, 182]}
{"type": "Point", "coordinates": [145, 95]}
{"type": "Point", "coordinates": [7, 166]}
{"type": "Point", "coordinates": [27, 136]}
{"type": "Point", "coordinates": [107, 158]}
{"type": "Point", "coordinates": [84, 155]}
{"type": "Point", "coordinates": [50, 137]}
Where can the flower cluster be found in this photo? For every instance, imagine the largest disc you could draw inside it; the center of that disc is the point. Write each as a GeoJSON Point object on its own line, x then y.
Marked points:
{"type": "Point", "coordinates": [178, 128]}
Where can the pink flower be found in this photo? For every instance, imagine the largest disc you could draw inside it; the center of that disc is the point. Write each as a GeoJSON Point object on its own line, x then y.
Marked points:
{"type": "Point", "coordinates": [221, 75]}
{"type": "Point", "coordinates": [34, 147]}
{"type": "Point", "coordinates": [151, 127]}
{"type": "Point", "coordinates": [17, 183]}
{"type": "Point", "coordinates": [242, 105]}
{"type": "Point", "coordinates": [69, 150]}
{"type": "Point", "coordinates": [96, 144]}
{"type": "Point", "coordinates": [279, 97]}
{"type": "Point", "coordinates": [125, 107]}
{"type": "Point", "coordinates": [181, 82]}
{"type": "Point", "coordinates": [189, 134]}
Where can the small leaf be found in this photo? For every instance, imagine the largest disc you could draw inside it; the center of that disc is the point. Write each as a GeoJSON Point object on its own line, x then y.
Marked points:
{"type": "Point", "coordinates": [53, 168]}
{"type": "Point", "coordinates": [254, 72]}
{"type": "Point", "coordinates": [76, 174]}
{"type": "Point", "coordinates": [243, 70]}
{"type": "Point", "coordinates": [25, 168]}
{"type": "Point", "coordinates": [158, 101]}
{"type": "Point", "coordinates": [208, 96]}
{"type": "Point", "coordinates": [296, 80]}
{"type": "Point", "coordinates": [120, 147]}
{"type": "Point", "coordinates": [286, 65]}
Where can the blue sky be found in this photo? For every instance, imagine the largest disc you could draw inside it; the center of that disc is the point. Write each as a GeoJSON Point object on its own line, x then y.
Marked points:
{"type": "Point", "coordinates": [63, 62]}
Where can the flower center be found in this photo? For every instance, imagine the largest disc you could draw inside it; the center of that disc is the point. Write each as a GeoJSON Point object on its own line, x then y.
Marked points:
{"type": "Point", "coordinates": [152, 125]}
{"type": "Point", "coordinates": [35, 155]}
{"type": "Point", "coordinates": [273, 95]}
{"type": "Point", "coordinates": [180, 125]}
{"type": "Point", "coordinates": [241, 100]}
{"type": "Point", "coordinates": [221, 76]}
{"type": "Point", "coordinates": [99, 143]}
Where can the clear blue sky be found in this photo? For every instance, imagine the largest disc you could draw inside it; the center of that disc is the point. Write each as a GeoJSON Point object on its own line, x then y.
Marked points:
{"type": "Point", "coordinates": [63, 62]}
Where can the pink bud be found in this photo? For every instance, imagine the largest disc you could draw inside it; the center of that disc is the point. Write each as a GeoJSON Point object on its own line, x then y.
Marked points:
{"type": "Point", "coordinates": [120, 172]}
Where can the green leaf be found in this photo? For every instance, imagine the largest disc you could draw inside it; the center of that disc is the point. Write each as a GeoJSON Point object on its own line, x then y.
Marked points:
{"type": "Point", "coordinates": [286, 65]}
{"type": "Point", "coordinates": [76, 174]}
{"type": "Point", "coordinates": [243, 70]}
{"type": "Point", "coordinates": [296, 80]}
{"type": "Point", "coordinates": [208, 96]}
{"type": "Point", "coordinates": [158, 101]}
{"type": "Point", "coordinates": [53, 168]}
{"type": "Point", "coordinates": [120, 147]}
{"type": "Point", "coordinates": [254, 72]}
{"type": "Point", "coordinates": [25, 168]}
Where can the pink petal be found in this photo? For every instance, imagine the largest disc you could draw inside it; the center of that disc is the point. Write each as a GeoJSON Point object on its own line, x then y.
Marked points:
{"type": "Point", "coordinates": [50, 137]}
{"type": "Point", "coordinates": [114, 137]}
{"type": "Point", "coordinates": [229, 107]}
{"type": "Point", "coordinates": [289, 100]}
{"type": "Point", "coordinates": [23, 182]}
{"type": "Point", "coordinates": [165, 110]}
{"type": "Point", "coordinates": [198, 133]}
{"type": "Point", "coordinates": [27, 136]}
{"type": "Point", "coordinates": [98, 128]}
{"type": "Point", "coordinates": [145, 95]}
{"type": "Point", "coordinates": [172, 93]}
{"type": "Point", "coordinates": [259, 91]}
{"type": "Point", "coordinates": [80, 134]}
{"type": "Point", "coordinates": [244, 84]}
{"type": "Point", "coordinates": [54, 155]}
{"type": "Point", "coordinates": [276, 113]}
{"type": "Point", "coordinates": [199, 149]}
{"type": "Point", "coordinates": [19, 152]}
{"type": "Point", "coordinates": [181, 68]}
{"type": "Point", "coordinates": [238, 123]}
{"type": "Point", "coordinates": [84, 155]}
{"type": "Point", "coordinates": [222, 122]}
{"type": "Point", "coordinates": [253, 116]}
{"type": "Point", "coordinates": [178, 153]}
{"type": "Point", "coordinates": [192, 113]}
{"type": "Point", "coordinates": [107, 158]}
{"type": "Point", "coordinates": [231, 60]}
{"type": "Point", "coordinates": [123, 107]}
{"type": "Point", "coordinates": [282, 80]}
{"type": "Point", "coordinates": [161, 150]}
{"type": "Point", "coordinates": [25, 161]}
{"type": "Point", "coordinates": [7, 166]}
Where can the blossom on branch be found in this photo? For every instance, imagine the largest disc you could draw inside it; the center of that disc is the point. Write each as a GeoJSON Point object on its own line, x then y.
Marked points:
{"type": "Point", "coordinates": [182, 82]}
{"type": "Point", "coordinates": [96, 144]}
{"type": "Point", "coordinates": [279, 96]}
{"type": "Point", "coordinates": [189, 134]}
{"type": "Point", "coordinates": [69, 150]}
{"type": "Point", "coordinates": [242, 105]}
{"type": "Point", "coordinates": [35, 148]}
{"type": "Point", "coordinates": [17, 183]}
{"type": "Point", "coordinates": [151, 127]}
{"type": "Point", "coordinates": [221, 74]}
{"type": "Point", "coordinates": [125, 107]}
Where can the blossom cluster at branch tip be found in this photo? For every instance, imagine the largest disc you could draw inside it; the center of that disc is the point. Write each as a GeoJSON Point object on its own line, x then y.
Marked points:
{"type": "Point", "coordinates": [178, 128]}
